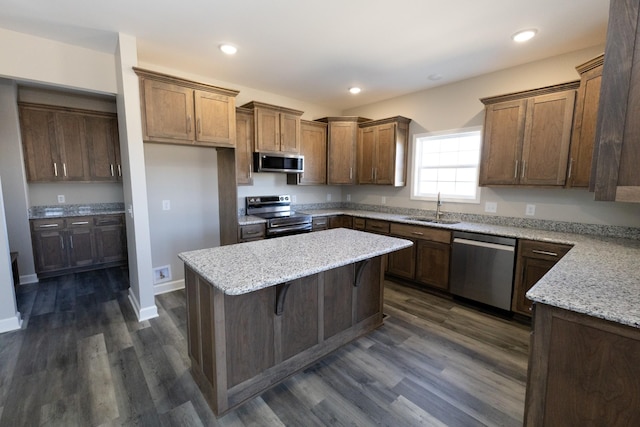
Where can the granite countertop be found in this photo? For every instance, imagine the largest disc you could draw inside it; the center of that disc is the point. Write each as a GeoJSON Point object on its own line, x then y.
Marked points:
{"type": "Point", "coordinates": [63, 211]}
{"type": "Point", "coordinates": [247, 267]}
{"type": "Point", "coordinates": [599, 276]}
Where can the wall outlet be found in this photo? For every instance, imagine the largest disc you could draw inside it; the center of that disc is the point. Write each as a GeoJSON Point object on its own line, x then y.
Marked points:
{"type": "Point", "coordinates": [328, 197]}
{"type": "Point", "coordinates": [384, 200]}
{"type": "Point", "coordinates": [294, 199]}
{"type": "Point", "coordinates": [60, 198]}
{"type": "Point", "coordinates": [348, 197]}
{"type": "Point", "coordinates": [530, 210]}
{"type": "Point", "coordinates": [166, 205]}
{"type": "Point", "coordinates": [491, 207]}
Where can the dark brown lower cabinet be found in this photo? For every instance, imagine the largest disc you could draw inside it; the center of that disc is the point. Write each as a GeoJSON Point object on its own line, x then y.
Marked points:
{"type": "Point", "coordinates": [427, 261]}
{"type": "Point", "coordinates": [340, 221]}
{"type": "Point", "coordinates": [583, 371]}
{"type": "Point", "coordinates": [240, 345]}
{"type": "Point", "coordinates": [533, 261]}
{"type": "Point", "coordinates": [65, 245]}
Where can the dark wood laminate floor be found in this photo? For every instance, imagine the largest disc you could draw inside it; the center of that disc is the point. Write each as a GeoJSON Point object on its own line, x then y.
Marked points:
{"type": "Point", "coordinates": [83, 359]}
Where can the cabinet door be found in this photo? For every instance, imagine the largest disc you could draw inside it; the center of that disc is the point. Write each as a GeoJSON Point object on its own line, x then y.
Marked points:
{"type": "Point", "coordinates": [244, 148]}
{"type": "Point", "coordinates": [215, 119]}
{"type": "Point", "coordinates": [532, 270]}
{"type": "Point", "coordinates": [39, 145]}
{"type": "Point", "coordinates": [169, 113]}
{"type": "Point", "coordinates": [432, 264]}
{"type": "Point", "coordinates": [385, 154]}
{"type": "Point", "coordinates": [102, 144]}
{"type": "Point", "coordinates": [314, 149]}
{"type": "Point", "coordinates": [402, 263]}
{"type": "Point", "coordinates": [49, 250]}
{"type": "Point", "coordinates": [341, 153]}
{"type": "Point", "coordinates": [584, 128]}
{"type": "Point", "coordinates": [111, 243]}
{"type": "Point", "coordinates": [502, 142]}
{"type": "Point", "coordinates": [366, 155]}
{"type": "Point", "coordinates": [71, 140]}
{"type": "Point", "coordinates": [289, 133]}
{"type": "Point", "coordinates": [82, 247]}
{"type": "Point", "coordinates": [340, 221]}
{"type": "Point", "coordinates": [267, 129]}
{"type": "Point", "coordinates": [547, 137]}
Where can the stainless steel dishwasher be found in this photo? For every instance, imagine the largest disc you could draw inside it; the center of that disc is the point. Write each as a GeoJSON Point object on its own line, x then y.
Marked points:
{"type": "Point", "coordinates": [482, 268]}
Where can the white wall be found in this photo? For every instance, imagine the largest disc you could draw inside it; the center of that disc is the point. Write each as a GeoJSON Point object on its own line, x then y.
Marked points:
{"type": "Point", "coordinates": [13, 183]}
{"type": "Point", "coordinates": [188, 178]}
{"type": "Point", "coordinates": [10, 318]}
{"type": "Point", "coordinates": [457, 105]}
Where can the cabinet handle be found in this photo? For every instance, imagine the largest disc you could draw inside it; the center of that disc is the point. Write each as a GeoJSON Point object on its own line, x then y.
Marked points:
{"type": "Point", "coordinates": [252, 232]}
{"type": "Point", "coordinates": [61, 242]}
{"type": "Point", "coordinates": [80, 223]}
{"type": "Point", "coordinates": [189, 124]}
{"type": "Point", "coordinates": [47, 225]}
{"type": "Point", "coordinates": [524, 167]}
{"type": "Point", "coordinates": [198, 127]}
{"type": "Point", "coordinates": [515, 173]}
{"type": "Point", "coordinates": [321, 223]}
{"type": "Point", "coordinates": [119, 171]}
{"type": "Point", "coordinates": [250, 170]}
{"type": "Point", "coordinates": [372, 175]}
{"type": "Point", "coordinates": [350, 173]}
{"type": "Point", "coordinates": [417, 233]}
{"type": "Point", "coordinates": [71, 241]}
{"type": "Point", "coordinates": [111, 167]}
{"type": "Point", "coordinates": [570, 168]}
{"type": "Point", "coordinates": [64, 168]}
{"type": "Point", "coordinates": [55, 168]}
{"type": "Point", "coordinates": [536, 251]}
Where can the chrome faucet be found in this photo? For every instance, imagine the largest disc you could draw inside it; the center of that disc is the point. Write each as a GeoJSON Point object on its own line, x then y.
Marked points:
{"type": "Point", "coordinates": [438, 204]}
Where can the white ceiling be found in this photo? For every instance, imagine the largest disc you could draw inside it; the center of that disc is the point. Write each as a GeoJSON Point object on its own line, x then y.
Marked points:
{"type": "Point", "coordinates": [315, 50]}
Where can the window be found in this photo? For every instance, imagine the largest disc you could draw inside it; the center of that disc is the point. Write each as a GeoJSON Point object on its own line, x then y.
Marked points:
{"type": "Point", "coordinates": [447, 163]}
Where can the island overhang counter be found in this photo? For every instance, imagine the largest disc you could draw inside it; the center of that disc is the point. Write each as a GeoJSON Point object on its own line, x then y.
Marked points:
{"type": "Point", "coordinates": [260, 311]}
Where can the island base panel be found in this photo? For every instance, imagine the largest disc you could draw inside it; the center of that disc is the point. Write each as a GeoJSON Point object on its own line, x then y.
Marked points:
{"type": "Point", "coordinates": [241, 345]}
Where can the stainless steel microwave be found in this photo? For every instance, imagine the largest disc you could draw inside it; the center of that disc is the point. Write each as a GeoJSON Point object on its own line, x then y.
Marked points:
{"type": "Point", "coordinates": [282, 162]}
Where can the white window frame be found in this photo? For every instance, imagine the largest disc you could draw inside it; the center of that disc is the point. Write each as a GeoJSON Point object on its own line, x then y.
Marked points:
{"type": "Point", "coordinates": [415, 167]}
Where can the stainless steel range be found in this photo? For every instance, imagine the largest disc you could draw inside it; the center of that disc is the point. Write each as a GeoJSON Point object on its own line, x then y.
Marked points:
{"type": "Point", "coordinates": [281, 220]}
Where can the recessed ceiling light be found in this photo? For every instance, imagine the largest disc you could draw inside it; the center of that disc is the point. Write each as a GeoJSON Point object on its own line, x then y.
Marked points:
{"type": "Point", "coordinates": [228, 49]}
{"type": "Point", "coordinates": [523, 36]}
{"type": "Point", "coordinates": [355, 90]}
{"type": "Point", "coordinates": [435, 77]}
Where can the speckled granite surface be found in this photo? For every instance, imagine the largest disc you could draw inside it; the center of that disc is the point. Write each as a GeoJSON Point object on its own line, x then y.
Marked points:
{"type": "Point", "coordinates": [246, 267]}
{"type": "Point", "coordinates": [599, 277]}
{"type": "Point", "coordinates": [61, 211]}
{"type": "Point", "coordinates": [250, 219]}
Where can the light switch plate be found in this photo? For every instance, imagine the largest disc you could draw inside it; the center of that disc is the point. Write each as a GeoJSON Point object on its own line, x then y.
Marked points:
{"type": "Point", "coordinates": [530, 210]}
{"type": "Point", "coordinates": [384, 200]}
{"type": "Point", "coordinates": [166, 205]}
{"type": "Point", "coordinates": [491, 207]}
{"type": "Point", "coordinates": [328, 197]}
{"type": "Point", "coordinates": [61, 198]}
{"type": "Point", "coordinates": [348, 197]}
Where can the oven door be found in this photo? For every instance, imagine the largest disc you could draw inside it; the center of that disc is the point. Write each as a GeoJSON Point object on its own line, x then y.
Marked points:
{"type": "Point", "coordinates": [287, 230]}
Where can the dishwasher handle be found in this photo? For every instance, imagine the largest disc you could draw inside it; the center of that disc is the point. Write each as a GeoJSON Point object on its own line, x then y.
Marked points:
{"type": "Point", "coordinates": [484, 244]}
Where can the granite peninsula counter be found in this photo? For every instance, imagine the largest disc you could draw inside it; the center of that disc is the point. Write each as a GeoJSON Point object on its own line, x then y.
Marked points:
{"type": "Point", "coordinates": [260, 311]}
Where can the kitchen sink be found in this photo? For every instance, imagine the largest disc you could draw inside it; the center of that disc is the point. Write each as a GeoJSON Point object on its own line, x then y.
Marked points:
{"type": "Point", "coordinates": [432, 220]}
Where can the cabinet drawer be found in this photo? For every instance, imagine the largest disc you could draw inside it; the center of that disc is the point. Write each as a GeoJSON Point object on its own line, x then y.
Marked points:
{"type": "Point", "coordinates": [358, 223]}
{"type": "Point", "coordinates": [47, 224]}
{"type": "Point", "coordinates": [320, 223]}
{"type": "Point", "coordinates": [80, 222]}
{"type": "Point", "coordinates": [543, 250]}
{"type": "Point", "coordinates": [251, 232]}
{"type": "Point", "coordinates": [102, 220]}
{"type": "Point", "coordinates": [418, 232]}
{"type": "Point", "coordinates": [377, 226]}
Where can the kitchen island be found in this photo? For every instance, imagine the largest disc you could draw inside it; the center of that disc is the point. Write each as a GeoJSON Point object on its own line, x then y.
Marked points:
{"type": "Point", "coordinates": [259, 312]}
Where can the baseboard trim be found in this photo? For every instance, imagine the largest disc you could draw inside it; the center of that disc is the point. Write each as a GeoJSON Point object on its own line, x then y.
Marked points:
{"type": "Point", "coordinates": [163, 288]}
{"type": "Point", "coordinates": [11, 324]}
{"type": "Point", "coordinates": [28, 279]}
{"type": "Point", "coordinates": [142, 313]}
